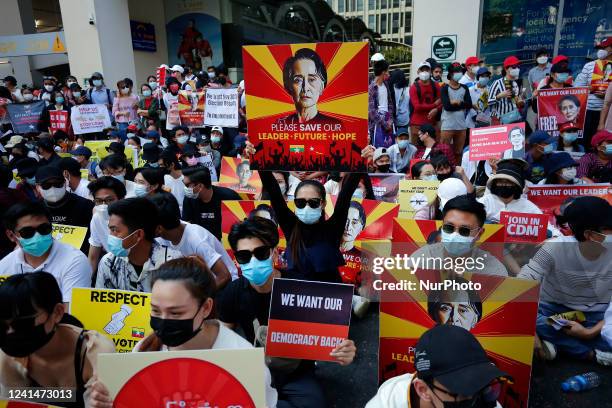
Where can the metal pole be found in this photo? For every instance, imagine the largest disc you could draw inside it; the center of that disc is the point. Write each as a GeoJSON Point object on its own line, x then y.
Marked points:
{"type": "Point", "coordinates": [559, 27]}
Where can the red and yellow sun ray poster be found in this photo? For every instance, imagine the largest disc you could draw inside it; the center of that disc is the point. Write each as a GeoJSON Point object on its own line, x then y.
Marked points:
{"type": "Point", "coordinates": [308, 105]}
{"type": "Point", "coordinates": [191, 108]}
{"type": "Point", "coordinates": [488, 311]}
{"type": "Point", "coordinates": [237, 174]}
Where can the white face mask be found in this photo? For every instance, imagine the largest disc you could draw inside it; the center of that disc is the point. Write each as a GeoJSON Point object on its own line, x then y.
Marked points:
{"type": "Point", "coordinates": [424, 76]}
{"type": "Point", "coordinates": [28, 97]}
{"type": "Point", "coordinates": [474, 69]}
{"type": "Point", "coordinates": [54, 194]}
{"type": "Point", "coordinates": [46, 97]}
{"type": "Point", "coordinates": [514, 72]}
{"type": "Point", "coordinates": [125, 91]}
{"type": "Point", "coordinates": [602, 54]}
{"type": "Point", "coordinates": [542, 60]}
{"type": "Point", "coordinates": [568, 173]}
{"type": "Point", "coordinates": [211, 75]}
{"type": "Point", "coordinates": [102, 210]}
{"type": "Point", "coordinates": [48, 88]}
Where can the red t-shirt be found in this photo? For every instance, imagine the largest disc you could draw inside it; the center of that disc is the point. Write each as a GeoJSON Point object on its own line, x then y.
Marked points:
{"type": "Point", "coordinates": [422, 106]}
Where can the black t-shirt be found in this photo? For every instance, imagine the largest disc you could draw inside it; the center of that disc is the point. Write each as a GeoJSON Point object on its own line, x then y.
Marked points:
{"type": "Point", "coordinates": [240, 304]}
{"type": "Point", "coordinates": [208, 215]}
{"type": "Point", "coordinates": [75, 211]}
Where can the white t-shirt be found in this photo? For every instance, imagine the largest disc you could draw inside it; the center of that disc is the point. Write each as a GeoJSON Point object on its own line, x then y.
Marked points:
{"type": "Point", "coordinates": [606, 331]}
{"type": "Point", "coordinates": [81, 190]}
{"type": "Point", "coordinates": [197, 240]}
{"type": "Point", "coordinates": [177, 188]}
{"type": "Point", "coordinates": [492, 265]}
{"type": "Point", "coordinates": [98, 231]}
{"type": "Point", "coordinates": [68, 265]}
{"type": "Point", "coordinates": [494, 205]}
{"type": "Point", "coordinates": [383, 102]}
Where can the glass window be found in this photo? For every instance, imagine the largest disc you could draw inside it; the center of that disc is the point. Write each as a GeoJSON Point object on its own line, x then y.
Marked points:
{"type": "Point", "coordinates": [372, 22]}
{"type": "Point", "coordinates": [341, 6]}
{"type": "Point", "coordinates": [408, 22]}
{"type": "Point", "coordinates": [395, 23]}
{"type": "Point", "coordinates": [383, 24]}
{"type": "Point", "coordinates": [359, 5]}
{"type": "Point", "coordinates": [371, 4]}
{"type": "Point", "coordinates": [408, 40]}
{"type": "Point", "coordinates": [396, 3]}
{"type": "Point", "coordinates": [383, 4]}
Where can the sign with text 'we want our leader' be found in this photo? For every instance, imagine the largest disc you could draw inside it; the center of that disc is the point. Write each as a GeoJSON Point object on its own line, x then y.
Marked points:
{"type": "Point", "coordinates": [308, 319]}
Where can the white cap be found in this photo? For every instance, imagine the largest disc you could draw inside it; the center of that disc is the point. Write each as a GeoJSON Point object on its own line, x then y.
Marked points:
{"type": "Point", "coordinates": [424, 64]}
{"type": "Point", "coordinates": [380, 152]}
{"type": "Point", "coordinates": [450, 188]}
{"type": "Point", "coordinates": [377, 57]}
{"type": "Point", "coordinates": [164, 66]}
{"type": "Point", "coordinates": [177, 68]}
{"type": "Point", "coordinates": [218, 129]}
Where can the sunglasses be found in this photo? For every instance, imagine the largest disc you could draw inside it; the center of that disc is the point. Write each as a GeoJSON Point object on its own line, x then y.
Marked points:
{"type": "Point", "coordinates": [463, 231]}
{"type": "Point", "coordinates": [260, 253]}
{"type": "Point", "coordinates": [48, 184]}
{"type": "Point", "coordinates": [28, 232]}
{"type": "Point", "coordinates": [312, 202]}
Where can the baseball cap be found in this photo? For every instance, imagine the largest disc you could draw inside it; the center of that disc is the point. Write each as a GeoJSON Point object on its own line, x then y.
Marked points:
{"type": "Point", "coordinates": [602, 136]}
{"type": "Point", "coordinates": [483, 71]}
{"type": "Point", "coordinates": [132, 127]}
{"type": "Point", "coordinates": [559, 58]}
{"type": "Point", "coordinates": [48, 172]}
{"type": "Point", "coordinates": [472, 60]}
{"type": "Point", "coordinates": [424, 64]}
{"type": "Point", "coordinates": [380, 152]}
{"type": "Point", "coordinates": [605, 43]}
{"type": "Point", "coordinates": [14, 140]}
{"type": "Point", "coordinates": [564, 127]}
{"type": "Point", "coordinates": [511, 61]}
{"type": "Point", "coordinates": [377, 57]}
{"type": "Point", "coordinates": [150, 152]}
{"type": "Point", "coordinates": [558, 67]}
{"type": "Point", "coordinates": [81, 151]}
{"type": "Point", "coordinates": [152, 134]}
{"type": "Point", "coordinates": [589, 210]}
{"type": "Point", "coordinates": [26, 167]}
{"type": "Point", "coordinates": [217, 128]}
{"type": "Point", "coordinates": [177, 68]}
{"type": "Point", "coordinates": [508, 171]}
{"type": "Point", "coordinates": [540, 136]}
{"type": "Point", "coordinates": [449, 189]}
{"type": "Point", "coordinates": [452, 356]}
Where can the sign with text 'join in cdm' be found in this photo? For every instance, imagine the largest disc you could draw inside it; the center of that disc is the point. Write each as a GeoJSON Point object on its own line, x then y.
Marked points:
{"type": "Point", "coordinates": [32, 44]}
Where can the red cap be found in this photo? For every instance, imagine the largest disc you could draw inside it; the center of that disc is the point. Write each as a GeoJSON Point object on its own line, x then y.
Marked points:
{"type": "Point", "coordinates": [567, 126]}
{"type": "Point", "coordinates": [605, 43]}
{"type": "Point", "coordinates": [560, 58]}
{"type": "Point", "coordinates": [132, 127]}
{"type": "Point", "coordinates": [511, 61]}
{"type": "Point", "coordinates": [602, 136]}
{"type": "Point", "coordinates": [472, 61]}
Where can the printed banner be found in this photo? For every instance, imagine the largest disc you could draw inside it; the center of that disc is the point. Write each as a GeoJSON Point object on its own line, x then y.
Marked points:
{"type": "Point", "coordinates": [58, 121]}
{"type": "Point", "coordinates": [307, 105]}
{"type": "Point", "coordinates": [233, 378]}
{"type": "Point", "coordinates": [89, 118]}
{"type": "Point", "coordinates": [386, 186]}
{"type": "Point", "coordinates": [191, 108]}
{"type": "Point", "coordinates": [25, 116]}
{"type": "Point", "coordinates": [308, 319]}
{"type": "Point", "coordinates": [558, 106]}
{"type": "Point", "coordinates": [522, 227]}
{"type": "Point", "coordinates": [485, 305]}
{"type": "Point", "coordinates": [160, 73]}
{"type": "Point", "coordinates": [121, 315]}
{"type": "Point", "coordinates": [221, 107]}
{"type": "Point", "coordinates": [237, 174]}
{"type": "Point", "coordinates": [500, 141]}
{"type": "Point", "coordinates": [73, 236]}
{"type": "Point", "coordinates": [602, 76]}
{"type": "Point", "coordinates": [415, 196]}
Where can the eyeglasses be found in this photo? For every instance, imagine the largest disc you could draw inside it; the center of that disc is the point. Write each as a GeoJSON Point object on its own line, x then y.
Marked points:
{"type": "Point", "coordinates": [42, 229]}
{"type": "Point", "coordinates": [48, 184]}
{"type": "Point", "coordinates": [260, 253]}
{"type": "Point", "coordinates": [107, 201]}
{"type": "Point", "coordinates": [312, 202]}
{"type": "Point", "coordinates": [463, 231]}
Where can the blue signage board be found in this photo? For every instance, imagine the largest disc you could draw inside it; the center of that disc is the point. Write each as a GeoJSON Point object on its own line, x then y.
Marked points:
{"type": "Point", "coordinates": [143, 36]}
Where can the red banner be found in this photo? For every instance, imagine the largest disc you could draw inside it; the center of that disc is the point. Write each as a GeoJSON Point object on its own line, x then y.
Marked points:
{"type": "Point", "coordinates": [501, 141]}
{"type": "Point", "coordinates": [558, 106]}
{"type": "Point", "coordinates": [161, 76]}
{"type": "Point", "coordinates": [58, 120]}
{"type": "Point", "coordinates": [522, 227]}
{"type": "Point", "coordinates": [308, 105]}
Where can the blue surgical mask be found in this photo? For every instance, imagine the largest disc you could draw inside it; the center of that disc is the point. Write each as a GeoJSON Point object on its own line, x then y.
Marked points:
{"type": "Point", "coordinates": [120, 177]}
{"type": "Point", "coordinates": [257, 272]}
{"type": "Point", "coordinates": [456, 244]}
{"type": "Point", "coordinates": [484, 81]}
{"type": "Point", "coordinates": [154, 165]}
{"type": "Point", "coordinates": [570, 137]}
{"type": "Point", "coordinates": [97, 82]}
{"type": "Point", "coordinates": [358, 193]}
{"type": "Point", "coordinates": [215, 139]}
{"type": "Point", "coordinates": [308, 215]}
{"type": "Point", "coordinates": [36, 245]}
{"type": "Point", "coordinates": [561, 77]}
{"type": "Point", "coordinates": [153, 85]}
{"type": "Point", "coordinates": [140, 190]}
{"type": "Point", "coordinates": [549, 148]}
{"type": "Point", "coordinates": [457, 76]}
{"type": "Point", "coordinates": [402, 144]}
{"type": "Point", "coordinates": [115, 245]}
{"type": "Point", "coordinates": [59, 100]}
{"type": "Point", "coordinates": [146, 93]}
{"type": "Point", "coordinates": [182, 139]}
{"type": "Point", "coordinates": [608, 150]}
{"type": "Point", "coordinates": [431, 177]}
{"type": "Point", "coordinates": [31, 181]}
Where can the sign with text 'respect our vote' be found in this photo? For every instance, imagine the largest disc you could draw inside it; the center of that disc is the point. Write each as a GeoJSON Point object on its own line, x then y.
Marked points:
{"type": "Point", "coordinates": [415, 196]}
{"type": "Point", "coordinates": [89, 118]}
{"type": "Point", "coordinates": [221, 107]}
{"type": "Point", "coordinates": [308, 319]}
{"type": "Point", "coordinates": [68, 234]}
{"type": "Point", "coordinates": [177, 379]}
{"type": "Point", "coordinates": [444, 47]}
{"type": "Point", "coordinates": [551, 197]}
{"type": "Point", "coordinates": [121, 315]}
{"type": "Point", "coordinates": [32, 44]}
{"type": "Point", "coordinates": [307, 105]}
{"type": "Point", "coordinates": [25, 116]}
{"type": "Point", "coordinates": [523, 227]}
{"type": "Point", "coordinates": [500, 142]}
{"type": "Point", "coordinates": [191, 108]}
{"type": "Point", "coordinates": [559, 106]}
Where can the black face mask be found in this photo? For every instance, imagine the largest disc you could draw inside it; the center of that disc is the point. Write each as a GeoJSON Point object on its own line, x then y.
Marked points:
{"type": "Point", "coordinates": [174, 332]}
{"type": "Point", "coordinates": [383, 168]}
{"type": "Point", "coordinates": [443, 177]}
{"type": "Point", "coordinates": [503, 191]}
{"type": "Point", "coordinates": [24, 342]}
{"type": "Point", "coordinates": [222, 80]}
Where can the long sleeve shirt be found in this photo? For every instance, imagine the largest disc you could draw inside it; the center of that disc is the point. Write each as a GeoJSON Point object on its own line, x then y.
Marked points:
{"type": "Point", "coordinates": [429, 93]}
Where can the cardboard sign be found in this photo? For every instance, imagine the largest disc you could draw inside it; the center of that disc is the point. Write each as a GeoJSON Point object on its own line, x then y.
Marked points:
{"type": "Point", "coordinates": [300, 119]}
{"type": "Point", "coordinates": [602, 76]}
{"type": "Point", "coordinates": [237, 174]}
{"type": "Point", "coordinates": [68, 234]}
{"type": "Point", "coordinates": [121, 315]}
{"type": "Point", "coordinates": [161, 76]}
{"type": "Point", "coordinates": [308, 319]}
{"type": "Point", "coordinates": [25, 116]}
{"type": "Point", "coordinates": [195, 378]}
{"type": "Point", "coordinates": [415, 195]}
{"type": "Point", "coordinates": [501, 142]}
{"type": "Point", "coordinates": [191, 108]}
{"type": "Point", "coordinates": [89, 118]}
{"type": "Point", "coordinates": [550, 197]}
{"type": "Point", "coordinates": [386, 186]}
{"type": "Point", "coordinates": [558, 106]}
{"type": "Point", "coordinates": [523, 227]}
{"type": "Point", "coordinates": [58, 120]}
{"type": "Point", "coordinates": [221, 107]}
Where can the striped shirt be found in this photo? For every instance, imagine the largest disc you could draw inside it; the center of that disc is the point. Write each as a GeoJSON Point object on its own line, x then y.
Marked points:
{"type": "Point", "coordinates": [504, 105]}
{"type": "Point", "coordinates": [590, 166]}
{"type": "Point", "coordinates": [584, 79]}
{"type": "Point", "coordinates": [568, 278]}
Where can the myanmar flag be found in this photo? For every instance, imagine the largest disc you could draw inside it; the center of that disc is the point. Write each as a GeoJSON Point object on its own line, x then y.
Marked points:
{"type": "Point", "coordinates": [138, 332]}
{"type": "Point", "coordinates": [296, 149]}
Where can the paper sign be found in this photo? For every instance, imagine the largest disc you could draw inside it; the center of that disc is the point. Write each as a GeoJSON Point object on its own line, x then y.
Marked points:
{"type": "Point", "coordinates": [416, 195]}
{"type": "Point", "coordinates": [202, 378]}
{"type": "Point", "coordinates": [221, 107]}
{"type": "Point", "coordinates": [308, 319]}
{"type": "Point", "coordinates": [557, 106]}
{"type": "Point", "coordinates": [501, 142]}
{"type": "Point", "coordinates": [312, 116]}
{"type": "Point", "coordinates": [386, 186]}
{"type": "Point", "coordinates": [121, 315]}
{"type": "Point", "coordinates": [207, 161]}
{"type": "Point", "coordinates": [191, 108]}
{"type": "Point", "coordinates": [89, 118]}
{"type": "Point", "coordinates": [25, 116]}
{"type": "Point", "coordinates": [237, 175]}
{"type": "Point", "coordinates": [68, 234]}
{"type": "Point", "coordinates": [98, 148]}
{"type": "Point", "coordinates": [85, 174]}
{"type": "Point", "coordinates": [58, 120]}
{"type": "Point", "coordinates": [522, 227]}
{"type": "Point", "coordinates": [160, 73]}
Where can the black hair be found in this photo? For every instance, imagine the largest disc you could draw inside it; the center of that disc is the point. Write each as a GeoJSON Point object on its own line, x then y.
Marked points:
{"type": "Point", "coordinates": [241, 165]}
{"type": "Point", "coordinates": [136, 213]}
{"type": "Point", "coordinates": [109, 183]}
{"type": "Point", "coordinates": [20, 210]}
{"type": "Point", "coordinates": [5, 93]}
{"type": "Point", "coordinates": [417, 167]}
{"type": "Point", "coordinates": [468, 204]}
{"type": "Point", "coordinates": [541, 51]}
{"type": "Point", "coordinates": [6, 175]}
{"type": "Point", "coordinates": [136, 139]}
{"type": "Point", "coordinates": [256, 227]}
{"type": "Point", "coordinates": [213, 67]}
{"type": "Point", "coordinates": [168, 158]}
{"type": "Point", "coordinates": [146, 85]}
{"type": "Point", "coordinates": [264, 207]}
{"type": "Point", "coordinates": [439, 160]}
{"type": "Point", "coordinates": [571, 98]}
{"type": "Point", "coordinates": [199, 280]}
{"type": "Point", "coordinates": [168, 210]}
{"type": "Point", "coordinates": [303, 53]}
{"type": "Point", "coordinates": [11, 79]}
{"type": "Point", "coordinates": [152, 176]}
{"type": "Point", "coordinates": [199, 175]}
{"type": "Point", "coordinates": [380, 67]}
{"type": "Point", "coordinates": [362, 215]}
{"type": "Point", "coordinates": [152, 76]}
{"type": "Point", "coordinates": [177, 128]}
{"type": "Point", "coordinates": [114, 161]}
{"type": "Point", "coordinates": [128, 82]}
{"type": "Point", "coordinates": [70, 165]}
{"type": "Point", "coordinates": [398, 79]}
{"type": "Point", "coordinates": [223, 70]}
{"type": "Point", "coordinates": [453, 68]}
{"type": "Point", "coordinates": [24, 294]}
{"type": "Point", "coordinates": [436, 298]}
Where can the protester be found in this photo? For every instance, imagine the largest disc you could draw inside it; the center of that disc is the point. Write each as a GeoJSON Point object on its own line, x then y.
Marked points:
{"type": "Point", "coordinates": [381, 160]}
{"type": "Point", "coordinates": [401, 91]}
{"type": "Point", "coordinates": [568, 138]}
{"type": "Point", "coordinates": [82, 155]}
{"type": "Point", "coordinates": [125, 104]}
{"type": "Point", "coordinates": [561, 169]}
{"type": "Point", "coordinates": [173, 177]}
{"type": "Point", "coordinates": [456, 104]}
{"type": "Point", "coordinates": [170, 100]}
{"type": "Point", "coordinates": [436, 73]}
{"type": "Point", "coordinates": [401, 153]}
{"type": "Point", "coordinates": [541, 70]}
{"type": "Point", "coordinates": [423, 170]}
{"type": "Point", "coordinates": [28, 226]}
{"type": "Point", "coordinates": [381, 108]}
{"type": "Point", "coordinates": [177, 73]}
{"type": "Point", "coordinates": [40, 349]}
{"type": "Point", "coordinates": [427, 145]}
{"type": "Point", "coordinates": [150, 154]}
{"type": "Point", "coordinates": [76, 184]}
{"type": "Point", "coordinates": [48, 90]}
{"type": "Point", "coordinates": [148, 181]}
{"type": "Point", "coordinates": [596, 166]}
{"type": "Point", "coordinates": [148, 107]}
{"type": "Point", "coordinates": [11, 83]}
{"type": "Point", "coordinates": [116, 165]}
{"type": "Point", "coordinates": [182, 319]}
{"type": "Point", "coordinates": [505, 95]}
{"type": "Point", "coordinates": [425, 102]}
{"type": "Point", "coordinates": [46, 151]}
{"type": "Point", "coordinates": [98, 93]}
{"type": "Point", "coordinates": [480, 114]}
{"type": "Point", "coordinates": [541, 146]}
{"type": "Point", "coordinates": [26, 171]}
{"type": "Point", "coordinates": [133, 251]}
{"type": "Point", "coordinates": [57, 103]}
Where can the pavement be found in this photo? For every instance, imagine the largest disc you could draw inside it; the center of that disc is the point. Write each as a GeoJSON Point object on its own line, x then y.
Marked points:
{"type": "Point", "coordinates": [354, 385]}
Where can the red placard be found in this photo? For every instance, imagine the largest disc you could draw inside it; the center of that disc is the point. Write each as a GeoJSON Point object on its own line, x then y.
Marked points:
{"type": "Point", "coordinates": [237, 174]}
{"type": "Point", "coordinates": [191, 108]}
{"type": "Point", "coordinates": [523, 227]}
{"type": "Point", "coordinates": [58, 120]}
{"type": "Point", "coordinates": [161, 76]}
{"type": "Point", "coordinates": [557, 106]}
{"type": "Point", "coordinates": [501, 142]}
{"type": "Point", "coordinates": [308, 105]}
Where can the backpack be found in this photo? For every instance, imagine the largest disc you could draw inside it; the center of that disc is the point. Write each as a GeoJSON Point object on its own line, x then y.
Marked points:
{"type": "Point", "coordinates": [418, 89]}
{"type": "Point", "coordinates": [108, 95]}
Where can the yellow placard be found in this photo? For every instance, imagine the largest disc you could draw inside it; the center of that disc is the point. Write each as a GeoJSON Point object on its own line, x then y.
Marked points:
{"type": "Point", "coordinates": [3, 278]}
{"type": "Point", "coordinates": [121, 315]}
{"type": "Point", "coordinates": [85, 174]}
{"type": "Point", "coordinates": [64, 154]}
{"type": "Point", "coordinates": [68, 234]}
{"type": "Point", "coordinates": [98, 148]}
{"type": "Point", "coordinates": [415, 195]}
